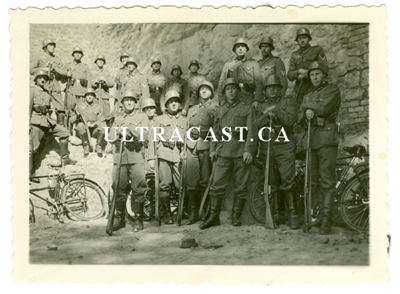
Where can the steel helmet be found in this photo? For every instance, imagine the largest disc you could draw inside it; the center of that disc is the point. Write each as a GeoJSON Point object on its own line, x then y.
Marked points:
{"type": "Point", "coordinates": [41, 72]}
{"type": "Point", "coordinates": [155, 61]}
{"type": "Point", "coordinates": [194, 62]}
{"type": "Point", "coordinates": [131, 60]}
{"type": "Point", "coordinates": [100, 57]}
{"type": "Point", "coordinates": [208, 84]}
{"type": "Point", "coordinates": [267, 40]}
{"type": "Point", "coordinates": [176, 67]}
{"type": "Point", "coordinates": [171, 94]}
{"type": "Point", "coordinates": [127, 94]}
{"type": "Point", "coordinates": [77, 49]}
{"type": "Point", "coordinates": [303, 31]}
{"type": "Point", "coordinates": [317, 65]}
{"type": "Point", "coordinates": [47, 42]}
{"type": "Point", "coordinates": [230, 81]}
{"type": "Point", "coordinates": [273, 80]}
{"type": "Point", "coordinates": [148, 102]}
{"type": "Point", "coordinates": [240, 41]}
{"type": "Point", "coordinates": [90, 91]}
{"type": "Point", "coordinates": [123, 55]}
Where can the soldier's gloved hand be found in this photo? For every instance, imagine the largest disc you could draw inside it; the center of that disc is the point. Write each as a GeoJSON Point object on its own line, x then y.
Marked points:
{"type": "Point", "coordinates": [152, 164]}
{"type": "Point", "coordinates": [69, 74]}
{"type": "Point", "coordinates": [268, 109]}
{"type": "Point", "coordinates": [179, 145]}
{"type": "Point", "coordinates": [256, 106]}
{"type": "Point", "coordinates": [183, 155]}
{"type": "Point", "coordinates": [272, 115]}
{"type": "Point", "coordinates": [194, 133]}
{"type": "Point", "coordinates": [213, 156]}
{"type": "Point", "coordinates": [300, 77]}
{"type": "Point", "coordinates": [184, 112]}
{"type": "Point", "coordinates": [309, 114]}
{"type": "Point", "coordinates": [303, 71]}
{"type": "Point", "coordinates": [247, 157]}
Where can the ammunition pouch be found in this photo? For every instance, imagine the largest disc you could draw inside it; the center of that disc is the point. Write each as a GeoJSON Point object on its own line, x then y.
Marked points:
{"type": "Point", "coordinates": [320, 122]}
{"type": "Point", "coordinates": [251, 88]}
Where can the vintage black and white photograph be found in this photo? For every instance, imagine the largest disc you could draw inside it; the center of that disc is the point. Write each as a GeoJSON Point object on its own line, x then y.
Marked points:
{"type": "Point", "coordinates": [199, 143]}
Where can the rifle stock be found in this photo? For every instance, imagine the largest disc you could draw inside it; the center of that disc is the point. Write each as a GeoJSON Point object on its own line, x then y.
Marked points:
{"type": "Point", "coordinates": [269, 222]}
{"type": "Point", "coordinates": [205, 195]}
{"type": "Point", "coordinates": [110, 222]}
{"type": "Point", "coordinates": [156, 186]}
{"type": "Point", "coordinates": [307, 179]}
{"type": "Point", "coordinates": [66, 109]}
{"type": "Point", "coordinates": [87, 129]}
{"type": "Point", "coordinates": [182, 188]}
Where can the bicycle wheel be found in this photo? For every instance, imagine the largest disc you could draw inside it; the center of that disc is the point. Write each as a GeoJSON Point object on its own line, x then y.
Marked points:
{"type": "Point", "coordinates": [354, 203]}
{"type": "Point", "coordinates": [84, 199]}
{"type": "Point", "coordinates": [148, 207]}
{"type": "Point", "coordinates": [257, 202]}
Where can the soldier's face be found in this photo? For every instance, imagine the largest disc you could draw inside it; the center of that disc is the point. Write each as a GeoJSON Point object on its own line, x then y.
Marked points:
{"type": "Point", "coordinates": [129, 103]}
{"type": "Point", "coordinates": [100, 62]}
{"type": "Point", "coordinates": [240, 50]}
{"type": "Point", "coordinates": [176, 73]}
{"type": "Point", "coordinates": [205, 92]}
{"type": "Point", "coordinates": [265, 49]}
{"type": "Point", "coordinates": [317, 77]}
{"type": "Point", "coordinates": [156, 66]}
{"type": "Point", "coordinates": [50, 47]}
{"type": "Point", "coordinates": [150, 111]}
{"type": "Point", "coordinates": [131, 66]}
{"type": "Point", "coordinates": [41, 80]}
{"type": "Point", "coordinates": [231, 92]}
{"type": "Point", "coordinates": [89, 98]}
{"type": "Point", "coordinates": [77, 55]}
{"type": "Point", "coordinates": [303, 40]}
{"type": "Point", "coordinates": [173, 105]}
{"type": "Point", "coordinates": [272, 91]}
{"type": "Point", "coordinates": [124, 59]}
{"type": "Point", "coordinates": [194, 68]}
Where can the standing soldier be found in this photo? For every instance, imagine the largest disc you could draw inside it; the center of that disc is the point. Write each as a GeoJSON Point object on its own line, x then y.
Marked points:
{"type": "Point", "coordinates": [321, 105]}
{"type": "Point", "coordinates": [168, 150]}
{"type": "Point", "coordinates": [201, 119]}
{"type": "Point", "coordinates": [121, 72]}
{"type": "Point", "coordinates": [282, 111]}
{"type": "Point", "coordinates": [135, 81]}
{"type": "Point", "coordinates": [271, 64]}
{"type": "Point", "coordinates": [102, 82]}
{"type": "Point", "coordinates": [246, 71]}
{"type": "Point", "coordinates": [194, 80]}
{"type": "Point", "coordinates": [233, 153]}
{"type": "Point", "coordinates": [91, 114]}
{"type": "Point", "coordinates": [156, 80]}
{"type": "Point", "coordinates": [149, 108]}
{"type": "Point", "coordinates": [132, 164]}
{"type": "Point", "coordinates": [299, 62]}
{"type": "Point", "coordinates": [178, 84]}
{"type": "Point", "coordinates": [41, 123]}
{"type": "Point", "coordinates": [47, 59]}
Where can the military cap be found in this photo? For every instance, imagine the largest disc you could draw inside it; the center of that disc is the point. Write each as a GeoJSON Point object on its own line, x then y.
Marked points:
{"type": "Point", "coordinates": [47, 42]}
{"type": "Point", "coordinates": [123, 55]}
{"type": "Point", "coordinates": [267, 40]}
{"type": "Point", "coordinates": [77, 49]}
{"type": "Point", "coordinates": [176, 67]}
{"type": "Point", "coordinates": [100, 57]}
{"type": "Point", "coordinates": [230, 81]}
{"type": "Point", "coordinates": [303, 31]}
{"type": "Point", "coordinates": [155, 61]}
{"type": "Point", "coordinates": [240, 41]}
{"type": "Point", "coordinates": [273, 80]}
{"type": "Point", "coordinates": [148, 102]}
{"type": "Point", "coordinates": [208, 84]}
{"type": "Point", "coordinates": [129, 94]}
{"type": "Point", "coordinates": [171, 94]}
{"type": "Point", "coordinates": [41, 72]}
{"type": "Point", "coordinates": [131, 60]}
{"type": "Point", "coordinates": [317, 65]}
{"type": "Point", "coordinates": [194, 62]}
{"type": "Point", "coordinates": [90, 91]}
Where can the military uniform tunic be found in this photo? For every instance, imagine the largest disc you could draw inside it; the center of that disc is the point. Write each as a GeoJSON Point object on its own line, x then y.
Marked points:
{"type": "Point", "coordinates": [136, 82]}
{"type": "Point", "coordinates": [282, 163]}
{"type": "Point", "coordinates": [247, 72]}
{"type": "Point", "coordinates": [230, 153]}
{"type": "Point", "coordinates": [194, 81]}
{"type": "Point", "coordinates": [301, 59]}
{"type": "Point", "coordinates": [156, 82]}
{"type": "Point", "coordinates": [198, 160]}
{"type": "Point", "coordinates": [91, 113]}
{"type": "Point", "coordinates": [274, 65]}
{"type": "Point", "coordinates": [80, 80]}
{"type": "Point", "coordinates": [102, 90]}
{"type": "Point", "coordinates": [178, 84]}
{"type": "Point", "coordinates": [118, 85]}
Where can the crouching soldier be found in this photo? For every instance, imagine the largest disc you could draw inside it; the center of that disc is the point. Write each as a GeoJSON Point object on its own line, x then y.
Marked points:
{"type": "Point", "coordinates": [282, 111]}
{"type": "Point", "coordinates": [201, 119]}
{"type": "Point", "coordinates": [91, 118]}
{"type": "Point", "coordinates": [132, 164]}
{"type": "Point", "coordinates": [234, 151]}
{"type": "Point", "coordinates": [172, 126]}
{"type": "Point", "coordinates": [321, 106]}
{"type": "Point", "coordinates": [42, 124]}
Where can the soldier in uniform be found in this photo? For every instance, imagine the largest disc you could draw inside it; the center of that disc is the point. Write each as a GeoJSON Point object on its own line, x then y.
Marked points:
{"type": "Point", "coordinates": [246, 71]}
{"type": "Point", "coordinates": [93, 115]}
{"type": "Point", "coordinates": [177, 83]}
{"type": "Point", "coordinates": [271, 64]}
{"type": "Point", "coordinates": [135, 81]}
{"type": "Point", "coordinates": [41, 123]}
{"type": "Point", "coordinates": [102, 82]}
{"type": "Point", "coordinates": [132, 165]}
{"type": "Point", "coordinates": [321, 105]}
{"type": "Point", "coordinates": [80, 77]}
{"type": "Point", "coordinates": [149, 108]}
{"type": "Point", "coordinates": [156, 80]}
{"type": "Point", "coordinates": [283, 112]}
{"type": "Point", "coordinates": [201, 119]}
{"type": "Point", "coordinates": [121, 72]}
{"type": "Point", "coordinates": [168, 150]}
{"type": "Point", "coordinates": [48, 59]}
{"type": "Point", "coordinates": [194, 80]}
{"type": "Point", "coordinates": [234, 151]}
{"type": "Point", "coordinates": [299, 62]}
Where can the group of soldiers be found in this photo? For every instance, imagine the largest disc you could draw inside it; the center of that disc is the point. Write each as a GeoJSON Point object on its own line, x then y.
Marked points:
{"type": "Point", "coordinates": [251, 96]}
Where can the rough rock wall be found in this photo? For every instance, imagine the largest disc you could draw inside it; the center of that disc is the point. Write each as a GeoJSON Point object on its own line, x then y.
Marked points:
{"type": "Point", "coordinates": [346, 47]}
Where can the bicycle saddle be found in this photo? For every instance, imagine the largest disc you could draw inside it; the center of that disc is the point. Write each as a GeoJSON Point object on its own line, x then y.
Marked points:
{"type": "Point", "coordinates": [356, 150]}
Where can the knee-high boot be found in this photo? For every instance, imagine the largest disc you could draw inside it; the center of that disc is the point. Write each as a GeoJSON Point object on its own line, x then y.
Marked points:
{"type": "Point", "coordinates": [193, 203]}
{"type": "Point", "coordinates": [213, 219]}
{"type": "Point", "coordinates": [165, 200]}
{"type": "Point", "coordinates": [293, 220]}
{"type": "Point", "coordinates": [237, 211]}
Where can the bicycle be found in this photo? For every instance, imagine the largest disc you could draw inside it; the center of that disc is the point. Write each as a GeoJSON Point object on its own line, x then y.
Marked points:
{"type": "Point", "coordinates": [73, 195]}
{"type": "Point", "coordinates": [351, 196]}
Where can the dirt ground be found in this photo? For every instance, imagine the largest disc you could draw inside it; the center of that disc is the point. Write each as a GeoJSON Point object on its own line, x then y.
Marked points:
{"type": "Point", "coordinates": [86, 242]}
